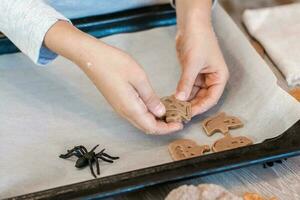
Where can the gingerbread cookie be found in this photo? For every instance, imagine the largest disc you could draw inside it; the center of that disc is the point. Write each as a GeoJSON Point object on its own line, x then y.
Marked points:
{"type": "Point", "coordinates": [177, 111]}
{"type": "Point", "coordinates": [184, 148]}
{"type": "Point", "coordinates": [220, 123]}
{"type": "Point", "coordinates": [228, 142]}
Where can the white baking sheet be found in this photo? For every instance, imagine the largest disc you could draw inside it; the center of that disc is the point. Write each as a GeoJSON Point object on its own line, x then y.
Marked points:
{"type": "Point", "coordinates": [45, 111]}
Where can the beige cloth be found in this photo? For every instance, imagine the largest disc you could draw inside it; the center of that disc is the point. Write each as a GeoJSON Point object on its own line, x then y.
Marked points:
{"type": "Point", "coordinates": [278, 30]}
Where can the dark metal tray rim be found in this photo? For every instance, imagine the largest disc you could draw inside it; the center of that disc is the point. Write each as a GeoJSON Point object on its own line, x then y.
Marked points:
{"type": "Point", "coordinates": [284, 146]}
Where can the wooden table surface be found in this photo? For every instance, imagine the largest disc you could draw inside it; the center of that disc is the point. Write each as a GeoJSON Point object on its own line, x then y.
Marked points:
{"type": "Point", "coordinates": [281, 180]}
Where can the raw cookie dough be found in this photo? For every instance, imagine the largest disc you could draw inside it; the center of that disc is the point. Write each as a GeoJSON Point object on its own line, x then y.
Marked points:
{"type": "Point", "coordinates": [295, 93]}
{"type": "Point", "coordinates": [254, 196]}
{"type": "Point", "coordinates": [220, 123]}
{"type": "Point", "coordinates": [201, 192]}
{"type": "Point", "coordinates": [184, 148]}
{"type": "Point", "coordinates": [176, 111]}
{"type": "Point", "coordinates": [258, 47]}
{"type": "Point", "coordinates": [228, 142]}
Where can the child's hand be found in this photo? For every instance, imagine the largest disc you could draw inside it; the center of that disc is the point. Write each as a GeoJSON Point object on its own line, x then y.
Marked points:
{"type": "Point", "coordinates": [204, 71]}
{"type": "Point", "coordinates": [119, 78]}
{"type": "Point", "coordinates": [126, 87]}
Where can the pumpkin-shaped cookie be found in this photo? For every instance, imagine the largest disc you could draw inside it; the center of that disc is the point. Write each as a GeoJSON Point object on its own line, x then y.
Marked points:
{"type": "Point", "coordinates": [184, 148]}
{"type": "Point", "coordinates": [220, 123]}
{"type": "Point", "coordinates": [229, 142]}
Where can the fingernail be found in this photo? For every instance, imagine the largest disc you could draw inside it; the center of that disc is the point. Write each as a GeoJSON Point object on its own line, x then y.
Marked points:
{"type": "Point", "coordinates": [180, 96]}
{"type": "Point", "coordinates": [160, 109]}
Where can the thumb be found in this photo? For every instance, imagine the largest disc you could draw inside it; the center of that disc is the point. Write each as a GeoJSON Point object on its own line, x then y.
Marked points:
{"type": "Point", "coordinates": [186, 83]}
{"type": "Point", "coordinates": [150, 99]}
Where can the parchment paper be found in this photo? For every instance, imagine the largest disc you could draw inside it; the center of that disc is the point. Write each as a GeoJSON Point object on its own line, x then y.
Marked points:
{"type": "Point", "coordinates": [45, 111]}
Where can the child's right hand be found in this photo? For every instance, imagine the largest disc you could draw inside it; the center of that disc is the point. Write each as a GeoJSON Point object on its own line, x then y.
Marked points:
{"type": "Point", "coordinates": [118, 77]}
{"type": "Point", "coordinates": [126, 87]}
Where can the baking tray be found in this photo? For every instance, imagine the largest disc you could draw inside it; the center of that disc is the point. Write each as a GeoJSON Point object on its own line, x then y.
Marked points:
{"type": "Point", "coordinates": [283, 146]}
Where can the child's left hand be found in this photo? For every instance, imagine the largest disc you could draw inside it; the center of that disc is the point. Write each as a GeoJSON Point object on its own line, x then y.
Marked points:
{"type": "Point", "coordinates": [204, 71]}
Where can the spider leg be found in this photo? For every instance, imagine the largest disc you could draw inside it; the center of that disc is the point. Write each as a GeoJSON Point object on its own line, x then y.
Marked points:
{"type": "Point", "coordinates": [83, 149]}
{"type": "Point", "coordinates": [72, 152]}
{"type": "Point", "coordinates": [100, 153]}
{"type": "Point", "coordinates": [91, 168]}
{"type": "Point", "coordinates": [105, 159]}
{"type": "Point", "coordinates": [97, 165]}
{"type": "Point", "coordinates": [105, 156]}
{"type": "Point", "coordinates": [69, 155]}
{"type": "Point", "coordinates": [78, 154]}
{"type": "Point", "coordinates": [111, 157]}
{"type": "Point", "coordinates": [93, 149]}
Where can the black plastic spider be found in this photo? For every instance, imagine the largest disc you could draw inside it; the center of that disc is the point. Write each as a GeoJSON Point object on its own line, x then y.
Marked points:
{"type": "Point", "coordinates": [86, 157]}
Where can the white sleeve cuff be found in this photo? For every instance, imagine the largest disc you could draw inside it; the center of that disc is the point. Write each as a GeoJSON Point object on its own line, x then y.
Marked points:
{"type": "Point", "coordinates": [26, 23]}
{"type": "Point", "coordinates": [39, 53]}
{"type": "Point", "coordinates": [214, 3]}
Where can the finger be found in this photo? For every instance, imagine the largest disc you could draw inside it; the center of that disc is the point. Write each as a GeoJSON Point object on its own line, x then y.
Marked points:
{"type": "Point", "coordinates": [144, 120]}
{"type": "Point", "coordinates": [163, 128]}
{"type": "Point", "coordinates": [204, 102]}
{"type": "Point", "coordinates": [199, 83]}
{"type": "Point", "coordinates": [147, 94]}
{"type": "Point", "coordinates": [194, 92]}
{"type": "Point", "coordinates": [153, 126]}
{"type": "Point", "coordinates": [186, 83]}
{"type": "Point", "coordinates": [150, 125]}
